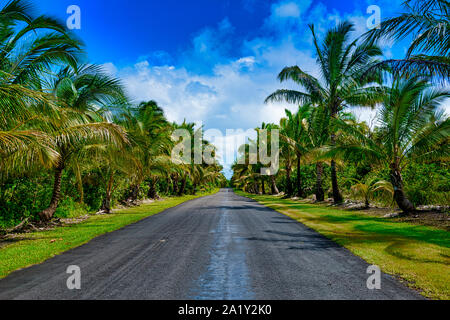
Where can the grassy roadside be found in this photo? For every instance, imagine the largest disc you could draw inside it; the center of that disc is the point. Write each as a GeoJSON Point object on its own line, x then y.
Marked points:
{"type": "Point", "coordinates": [34, 248]}
{"type": "Point", "coordinates": [417, 254]}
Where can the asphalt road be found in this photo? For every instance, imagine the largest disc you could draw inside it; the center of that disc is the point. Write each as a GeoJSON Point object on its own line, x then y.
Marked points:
{"type": "Point", "coordinates": [218, 247]}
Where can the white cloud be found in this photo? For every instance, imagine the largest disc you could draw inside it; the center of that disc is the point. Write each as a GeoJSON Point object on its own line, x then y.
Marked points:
{"type": "Point", "coordinates": [285, 10]}
{"type": "Point", "coordinates": [290, 9]}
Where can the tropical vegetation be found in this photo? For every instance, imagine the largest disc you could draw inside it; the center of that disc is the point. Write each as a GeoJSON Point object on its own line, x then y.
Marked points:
{"type": "Point", "coordinates": [328, 149]}
{"type": "Point", "coordinates": [71, 141]}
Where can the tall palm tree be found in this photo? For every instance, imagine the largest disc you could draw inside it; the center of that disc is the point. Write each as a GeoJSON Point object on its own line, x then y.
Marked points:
{"type": "Point", "coordinates": [149, 133]}
{"type": "Point", "coordinates": [156, 143]}
{"type": "Point", "coordinates": [412, 129]}
{"type": "Point", "coordinates": [247, 173]}
{"type": "Point", "coordinates": [342, 63]}
{"type": "Point", "coordinates": [268, 127]}
{"type": "Point", "coordinates": [317, 132]}
{"type": "Point", "coordinates": [427, 22]}
{"type": "Point", "coordinates": [294, 134]}
{"type": "Point", "coordinates": [287, 152]}
{"type": "Point", "coordinates": [78, 121]}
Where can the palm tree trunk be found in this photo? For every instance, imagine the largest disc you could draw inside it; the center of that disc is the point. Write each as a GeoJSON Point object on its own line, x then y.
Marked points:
{"type": "Point", "coordinates": [399, 195]}
{"type": "Point", "coordinates": [336, 194]}
{"type": "Point", "coordinates": [320, 194]}
{"type": "Point", "coordinates": [79, 183]}
{"type": "Point", "coordinates": [175, 185]}
{"type": "Point", "coordinates": [106, 204]}
{"type": "Point", "coordinates": [48, 213]}
{"type": "Point", "coordinates": [152, 192]}
{"type": "Point", "coordinates": [288, 182]}
{"type": "Point", "coordinates": [183, 187]}
{"type": "Point", "coordinates": [274, 185]}
{"type": "Point", "coordinates": [167, 187]}
{"type": "Point", "coordinates": [300, 192]}
{"type": "Point", "coordinates": [134, 194]}
{"type": "Point", "coordinates": [255, 187]}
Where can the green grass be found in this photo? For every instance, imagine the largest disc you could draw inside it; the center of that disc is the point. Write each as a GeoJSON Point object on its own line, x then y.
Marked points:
{"type": "Point", "coordinates": [35, 248]}
{"type": "Point", "coordinates": [419, 255]}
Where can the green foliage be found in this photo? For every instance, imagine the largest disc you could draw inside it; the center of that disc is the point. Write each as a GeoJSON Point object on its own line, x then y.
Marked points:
{"type": "Point", "coordinates": [23, 197]}
{"type": "Point", "coordinates": [428, 53]}
{"type": "Point", "coordinates": [428, 184]}
{"type": "Point", "coordinates": [69, 208]}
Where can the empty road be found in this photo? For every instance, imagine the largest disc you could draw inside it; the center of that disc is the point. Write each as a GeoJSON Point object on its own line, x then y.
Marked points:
{"type": "Point", "coordinates": [218, 247]}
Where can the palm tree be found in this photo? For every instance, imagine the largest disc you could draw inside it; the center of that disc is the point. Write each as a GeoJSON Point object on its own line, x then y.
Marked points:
{"type": "Point", "coordinates": [78, 121]}
{"type": "Point", "coordinates": [427, 21]}
{"type": "Point", "coordinates": [268, 127]}
{"type": "Point", "coordinates": [412, 129]}
{"type": "Point", "coordinates": [183, 170]}
{"type": "Point", "coordinates": [342, 63]}
{"type": "Point", "coordinates": [154, 142]}
{"type": "Point", "coordinates": [29, 46]}
{"type": "Point", "coordinates": [247, 169]}
{"type": "Point", "coordinates": [294, 134]}
{"type": "Point", "coordinates": [287, 153]}
{"type": "Point", "coordinates": [371, 189]}
{"type": "Point", "coordinates": [317, 132]}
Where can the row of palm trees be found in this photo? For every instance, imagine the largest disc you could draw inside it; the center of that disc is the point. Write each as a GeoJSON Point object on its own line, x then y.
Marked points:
{"type": "Point", "coordinates": [407, 93]}
{"type": "Point", "coordinates": [59, 114]}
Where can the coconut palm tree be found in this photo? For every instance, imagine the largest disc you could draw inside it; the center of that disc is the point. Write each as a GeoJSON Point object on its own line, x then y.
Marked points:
{"type": "Point", "coordinates": [342, 63]}
{"type": "Point", "coordinates": [293, 132]}
{"type": "Point", "coordinates": [268, 128]}
{"type": "Point", "coordinates": [412, 129]}
{"type": "Point", "coordinates": [149, 133]}
{"type": "Point", "coordinates": [78, 121]}
{"type": "Point", "coordinates": [317, 132]}
{"type": "Point", "coordinates": [287, 152]}
{"type": "Point", "coordinates": [427, 22]}
{"type": "Point", "coordinates": [247, 169]}
{"type": "Point", "coordinates": [29, 47]}
{"type": "Point", "coordinates": [156, 143]}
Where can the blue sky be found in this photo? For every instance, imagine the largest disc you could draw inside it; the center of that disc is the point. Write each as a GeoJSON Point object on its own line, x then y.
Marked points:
{"type": "Point", "coordinates": [212, 61]}
{"type": "Point", "coordinates": [146, 27]}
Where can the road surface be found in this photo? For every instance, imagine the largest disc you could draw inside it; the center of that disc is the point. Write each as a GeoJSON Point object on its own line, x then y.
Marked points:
{"type": "Point", "coordinates": [217, 247]}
